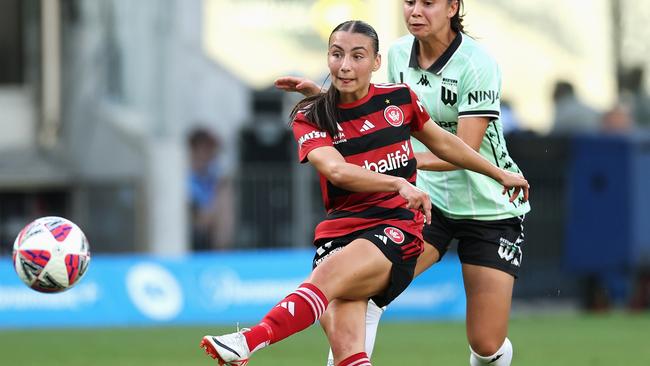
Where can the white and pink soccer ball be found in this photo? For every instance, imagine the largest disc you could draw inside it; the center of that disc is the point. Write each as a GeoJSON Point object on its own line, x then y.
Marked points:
{"type": "Point", "coordinates": [51, 254]}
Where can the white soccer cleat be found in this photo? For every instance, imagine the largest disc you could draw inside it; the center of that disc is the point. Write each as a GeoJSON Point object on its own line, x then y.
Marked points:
{"type": "Point", "coordinates": [229, 349]}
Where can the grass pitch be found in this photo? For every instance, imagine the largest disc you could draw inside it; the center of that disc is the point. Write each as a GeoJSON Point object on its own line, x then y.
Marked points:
{"type": "Point", "coordinates": [618, 339]}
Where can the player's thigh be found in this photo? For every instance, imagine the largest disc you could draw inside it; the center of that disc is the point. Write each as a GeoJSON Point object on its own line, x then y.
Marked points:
{"type": "Point", "coordinates": [489, 297]}
{"type": "Point", "coordinates": [358, 271]}
{"type": "Point", "coordinates": [345, 327]}
{"type": "Point", "coordinates": [437, 236]}
{"type": "Point", "coordinates": [430, 256]}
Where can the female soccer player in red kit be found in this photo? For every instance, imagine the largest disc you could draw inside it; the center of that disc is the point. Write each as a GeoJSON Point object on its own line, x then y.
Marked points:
{"type": "Point", "coordinates": [357, 136]}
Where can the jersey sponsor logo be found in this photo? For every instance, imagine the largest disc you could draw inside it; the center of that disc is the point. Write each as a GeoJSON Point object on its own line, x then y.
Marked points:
{"type": "Point", "coordinates": [395, 234]}
{"type": "Point", "coordinates": [367, 126]}
{"type": "Point", "coordinates": [341, 135]}
{"type": "Point", "coordinates": [447, 124]}
{"type": "Point", "coordinates": [481, 96]}
{"type": "Point", "coordinates": [424, 80]}
{"type": "Point", "coordinates": [449, 91]}
{"type": "Point", "coordinates": [392, 161]}
{"type": "Point", "coordinates": [510, 252]}
{"type": "Point", "coordinates": [394, 115]}
{"type": "Point", "coordinates": [311, 135]}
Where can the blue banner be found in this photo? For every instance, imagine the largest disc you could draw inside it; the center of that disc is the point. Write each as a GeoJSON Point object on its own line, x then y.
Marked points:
{"type": "Point", "coordinates": [214, 288]}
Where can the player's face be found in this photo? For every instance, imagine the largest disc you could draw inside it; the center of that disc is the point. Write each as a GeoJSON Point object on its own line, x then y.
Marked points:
{"type": "Point", "coordinates": [351, 59]}
{"type": "Point", "coordinates": [428, 17]}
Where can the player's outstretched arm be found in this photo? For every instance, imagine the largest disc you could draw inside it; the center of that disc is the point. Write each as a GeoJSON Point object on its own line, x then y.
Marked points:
{"type": "Point", "coordinates": [301, 85]}
{"type": "Point", "coordinates": [450, 148]}
{"type": "Point", "coordinates": [470, 129]}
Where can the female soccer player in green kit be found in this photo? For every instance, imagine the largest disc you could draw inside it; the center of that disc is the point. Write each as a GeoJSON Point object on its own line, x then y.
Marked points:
{"type": "Point", "coordinates": [459, 84]}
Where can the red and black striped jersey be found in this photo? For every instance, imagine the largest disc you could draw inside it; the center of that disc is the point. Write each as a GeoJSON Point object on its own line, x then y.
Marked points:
{"type": "Point", "coordinates": [374, 133]}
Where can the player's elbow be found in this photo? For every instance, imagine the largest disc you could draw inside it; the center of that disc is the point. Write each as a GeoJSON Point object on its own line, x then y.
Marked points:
{"type": "Point", "coordinates": [337, 174]}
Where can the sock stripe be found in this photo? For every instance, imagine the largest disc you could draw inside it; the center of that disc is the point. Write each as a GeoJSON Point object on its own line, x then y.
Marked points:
{"type": "Point", "coordinates": [309, 301]}
{"type": "Point", "coordinates": [316, 301]}
{"type": "Point", "coordinates": [314, 308]}
{"type": "Point", "coordinates": [361, 362]}
{"type": "Point", "coordinates": [357, 359]}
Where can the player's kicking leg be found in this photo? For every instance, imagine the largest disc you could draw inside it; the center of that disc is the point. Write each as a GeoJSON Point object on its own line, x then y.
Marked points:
{"type": "Point", "coordinates": [359, 270]}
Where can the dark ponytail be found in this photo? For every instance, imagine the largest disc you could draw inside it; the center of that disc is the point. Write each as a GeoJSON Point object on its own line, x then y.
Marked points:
{"type": "Point", "coordinates": [457, 19]}
{"type": "Point", "coordinates": [322, 109]}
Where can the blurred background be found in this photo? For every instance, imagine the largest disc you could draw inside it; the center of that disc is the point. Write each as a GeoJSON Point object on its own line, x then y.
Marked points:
{"type": "Point", "coordinates": [153, 124]}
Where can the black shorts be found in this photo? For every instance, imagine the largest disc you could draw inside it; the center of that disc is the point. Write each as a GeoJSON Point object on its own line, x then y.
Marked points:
{"type": "Point", "coordinates": [495, 244]}
{"type": "Point", "coordinates": [400, 247]}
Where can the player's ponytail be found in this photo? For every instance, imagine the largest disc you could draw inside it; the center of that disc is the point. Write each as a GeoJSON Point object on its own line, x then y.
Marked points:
{"type": "Point", "coordinates": [320, 109]}
{"type": "Point", "coordinates": [457, 19]}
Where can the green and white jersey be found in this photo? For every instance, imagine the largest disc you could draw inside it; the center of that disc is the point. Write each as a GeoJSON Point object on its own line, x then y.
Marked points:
{"type": "Point", "coordinates": [464, 82]}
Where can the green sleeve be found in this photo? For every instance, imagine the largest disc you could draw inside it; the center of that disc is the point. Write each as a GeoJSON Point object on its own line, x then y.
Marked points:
{"type": "Point", "coordinates": [391, 63]}
{"type": "Point", "coordinates": [479, 88]}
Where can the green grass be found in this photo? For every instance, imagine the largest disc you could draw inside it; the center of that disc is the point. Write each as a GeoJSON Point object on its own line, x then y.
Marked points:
{"type": "Point", "coordinates": [617, 339]}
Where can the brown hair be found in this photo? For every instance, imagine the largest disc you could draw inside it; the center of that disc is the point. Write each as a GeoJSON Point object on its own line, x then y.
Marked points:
{"type": "Point", "coordinates": [457, 19]}
{"type": "Point", "coordinates": [321, 109]}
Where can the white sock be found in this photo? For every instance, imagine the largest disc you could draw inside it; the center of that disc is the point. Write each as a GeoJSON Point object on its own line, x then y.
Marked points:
{"type": "Point", "coordinates": [373, 314]}
{"type": "Point", "coordinates": [502, 357]}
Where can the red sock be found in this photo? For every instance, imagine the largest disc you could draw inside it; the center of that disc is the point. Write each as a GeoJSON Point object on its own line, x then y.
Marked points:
{"type": "Point", "coordinates": [357, 359]}
{"type": "Point", "coordinates": [294, 313]}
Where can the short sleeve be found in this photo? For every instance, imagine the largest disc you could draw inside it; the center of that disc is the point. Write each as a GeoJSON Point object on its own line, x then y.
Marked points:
{"type": "Point", "coordinates": [479, 89]}
{"type": "Point", "coordinates": [308, 137]}
{"type": "Point", "coordinates": [420, 114]}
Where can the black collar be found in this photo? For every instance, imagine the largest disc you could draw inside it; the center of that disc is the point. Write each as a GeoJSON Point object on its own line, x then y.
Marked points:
{"type": "Point", "coordinates": [437, 66]}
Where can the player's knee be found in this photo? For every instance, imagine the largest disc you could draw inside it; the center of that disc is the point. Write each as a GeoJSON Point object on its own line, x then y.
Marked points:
{"type": "Point", "coordinates": [485, 346]}
{"type": "Point", "coordinates": [322, 278]}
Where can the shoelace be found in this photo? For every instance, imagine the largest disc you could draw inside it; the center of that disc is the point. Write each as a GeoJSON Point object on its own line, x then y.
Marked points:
{"type": "Point", "coordinates": [242, 330]}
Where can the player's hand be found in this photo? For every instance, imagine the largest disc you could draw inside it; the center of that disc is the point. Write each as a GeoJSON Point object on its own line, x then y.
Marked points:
{"type": "Point", "coordinates": [417, 199]}
{"type": "Point", "coordinates": [514, 181]}
{"type": "Point", "coordinates": [297, 84]}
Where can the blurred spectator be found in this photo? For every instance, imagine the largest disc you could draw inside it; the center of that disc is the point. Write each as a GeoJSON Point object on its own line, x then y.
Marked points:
{"type": "Point", "coordinates": [632, 88]}
{"type": "Point", "coordinates": [618, 119]}
{"type": "Point", "coordinates": [571, 114]}
{"type": "Point", "coordinates": [509, 120]}
{"type": "Point", "coordinates": [211, 193]}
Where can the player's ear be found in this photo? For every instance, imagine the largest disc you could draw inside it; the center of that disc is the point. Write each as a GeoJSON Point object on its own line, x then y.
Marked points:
{"type": "Point", "coordinates": [453, 9]}
{"type": "Point", "coordinates": [377, 64]}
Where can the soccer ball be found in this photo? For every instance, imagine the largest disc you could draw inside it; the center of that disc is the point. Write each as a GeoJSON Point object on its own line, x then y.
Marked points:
{"type": "Point", "coordinates": [51, 254]}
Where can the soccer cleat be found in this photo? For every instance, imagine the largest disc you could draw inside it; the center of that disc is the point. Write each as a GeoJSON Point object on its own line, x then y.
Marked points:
{"type": "Point", "coordinates": [230, 349]}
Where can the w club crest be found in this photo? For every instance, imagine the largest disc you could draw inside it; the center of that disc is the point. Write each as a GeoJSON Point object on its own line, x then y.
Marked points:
{"type": "Point", "coordinates": [449, 91]}
{"type": "Point", "coordinates": [395, 234]}
{"type": "Point", "coordinates": [394, 115]}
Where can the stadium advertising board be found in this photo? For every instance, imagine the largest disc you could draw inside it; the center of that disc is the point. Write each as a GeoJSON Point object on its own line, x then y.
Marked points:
{"type": "Point", "coordinates": [219, 288]}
